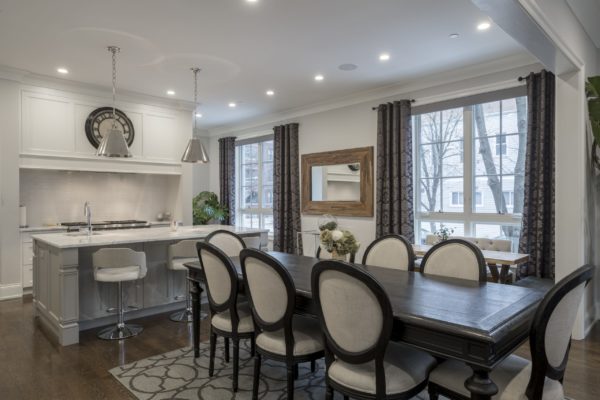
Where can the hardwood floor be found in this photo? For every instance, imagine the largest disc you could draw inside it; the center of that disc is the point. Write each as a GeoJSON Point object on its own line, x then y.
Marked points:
{"type": "Point", "coordinates": [32, 367]}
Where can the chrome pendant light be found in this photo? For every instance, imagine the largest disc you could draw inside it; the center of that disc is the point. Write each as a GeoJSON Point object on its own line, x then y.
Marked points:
{"type": "Point", "coordinates": [195, 151]}
{"type": "Point", "coordinates": [113, 144]}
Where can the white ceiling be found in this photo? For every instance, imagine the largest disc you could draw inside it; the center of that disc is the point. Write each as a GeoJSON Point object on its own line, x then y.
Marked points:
{"type": "Point", "coordinates": [246, 48]}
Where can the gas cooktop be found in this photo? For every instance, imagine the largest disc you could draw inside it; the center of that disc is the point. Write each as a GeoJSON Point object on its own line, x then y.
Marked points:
{"type": "Point", "coordinates": [107, 225]}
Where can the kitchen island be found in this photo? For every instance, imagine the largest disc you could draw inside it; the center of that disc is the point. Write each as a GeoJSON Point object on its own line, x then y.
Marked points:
{"type": "Point", "coordinates": [66, 297]}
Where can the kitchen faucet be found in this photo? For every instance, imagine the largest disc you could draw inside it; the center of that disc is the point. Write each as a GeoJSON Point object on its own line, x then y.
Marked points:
{"type": "Point", "coordinates": [87, 212]}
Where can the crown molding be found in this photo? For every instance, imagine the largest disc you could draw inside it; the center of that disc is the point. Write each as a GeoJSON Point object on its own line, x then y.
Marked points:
{"type": "Point", "coordinates": [28, 78]}
{"type": "Point", "coordinates": [377, 94]}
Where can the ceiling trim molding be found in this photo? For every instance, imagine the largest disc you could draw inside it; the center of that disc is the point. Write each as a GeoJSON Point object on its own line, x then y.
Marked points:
{"type": "Point", "coordinates": [28, 78]}
{"type": "Point", "coordinates": [381, 93]}
{"type": "Point", "coordinates": [535, 11]}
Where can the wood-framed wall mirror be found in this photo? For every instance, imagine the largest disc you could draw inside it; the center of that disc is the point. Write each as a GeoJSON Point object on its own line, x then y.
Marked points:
{"type": "Point", "coordinates": [338, 182]}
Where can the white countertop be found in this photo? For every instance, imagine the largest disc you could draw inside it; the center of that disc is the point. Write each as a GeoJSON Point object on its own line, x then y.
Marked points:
{"type": "Point", "coordinates": [43, 228]}
{"type": "Point", "coordinates": [63, 240]}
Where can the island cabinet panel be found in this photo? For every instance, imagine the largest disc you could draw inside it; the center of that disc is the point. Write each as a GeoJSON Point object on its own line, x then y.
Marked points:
{"type": "Point", "coordinates": [68, 299]}
{"type": "Point", "coordinates": [99, 299]}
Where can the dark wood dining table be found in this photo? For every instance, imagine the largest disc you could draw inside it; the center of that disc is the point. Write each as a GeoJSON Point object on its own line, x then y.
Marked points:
{"type": "Point", "coordinates": [476, 323]}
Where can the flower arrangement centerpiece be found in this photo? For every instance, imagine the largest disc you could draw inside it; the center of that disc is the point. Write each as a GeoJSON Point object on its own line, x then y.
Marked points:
{"type": "Point", "coordinates": [338, 242]}
{"type": "Point", "coordinates": [327, 222]}
{"type": "Point", "coordinates": [443, 233]}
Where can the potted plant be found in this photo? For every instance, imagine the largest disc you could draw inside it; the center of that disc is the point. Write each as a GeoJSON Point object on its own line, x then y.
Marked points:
{"type": "Point", "coordinates": [592, 90]}
{"type": "Point", "coordinates": [339, 243]}
{"type": "Point", "coordinates": [206, 208]}
{"type": "Point", "coordinates": [443, 233]}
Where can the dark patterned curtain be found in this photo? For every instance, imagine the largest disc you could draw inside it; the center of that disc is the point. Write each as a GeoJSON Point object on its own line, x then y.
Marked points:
{"type": "Point", "coordinates": [286, 190]}
{"type": "Point", "coordinates": [395, 212]}
{"type": "Point", "coordinates": [537, 232]}
{"type": "Point", "coordinates": [227, 176]}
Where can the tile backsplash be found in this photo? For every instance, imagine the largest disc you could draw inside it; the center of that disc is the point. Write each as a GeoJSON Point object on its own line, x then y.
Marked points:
{"type": "Point", "coordinates": [58, 196]}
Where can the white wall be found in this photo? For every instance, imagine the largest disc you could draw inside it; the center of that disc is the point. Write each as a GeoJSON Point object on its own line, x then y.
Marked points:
{"type": "Point", "coordinates": [356, 126]}
{"type": "Point", "coordinates": [576, 232]}
{"type": "Point", "coordinates": [10, 273]}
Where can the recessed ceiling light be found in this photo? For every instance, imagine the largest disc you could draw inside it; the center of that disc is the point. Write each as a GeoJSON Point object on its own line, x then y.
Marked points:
{"type": "Point", "coordinates": [252, 1]}
{"type": "Point", "coordinates": [453, 35]}
{"type": "Point", "coordinates": [319, 77]}
{"type": "Point", "coordinates": [384, 57]}
{"type": "Point", "coordinates": [483, 26]}
{"type": "Point", "coordinates": [270, 93]}
{"type": "Point", "coordinates": [62, 70]}
{"type": "Point", "coordinates": [232, 105]}
{"type": "Point", "coordinates": [347, 67]}
{"type": "Point", "coordinates": [171, 92]}
{"type": "Point", "coordinates": [198, 115]}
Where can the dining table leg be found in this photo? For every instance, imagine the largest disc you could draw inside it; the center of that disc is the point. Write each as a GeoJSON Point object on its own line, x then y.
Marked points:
{"type": "Point", "coordinates": [196, 293]}
{"type": "Point", "coordinates": [480, 384]}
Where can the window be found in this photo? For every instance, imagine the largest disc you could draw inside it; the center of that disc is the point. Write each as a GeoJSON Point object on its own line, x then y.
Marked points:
{"type": "Point", "coordinates": [509, 198]}
{"type": "Point", "coordinates": [469, 165]}
{"type": "Point", "coordinates": [457, 199]}
{"type": "Point", "coordinates": [254, 183]}
{"type": "Point", "coordinates": [501, 145]}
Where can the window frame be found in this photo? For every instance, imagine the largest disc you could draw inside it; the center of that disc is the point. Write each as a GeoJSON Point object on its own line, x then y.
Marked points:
{"type": "Point", "coordinates": [468, 216]}
{"type": "Point", "coordinates": [260, 211]}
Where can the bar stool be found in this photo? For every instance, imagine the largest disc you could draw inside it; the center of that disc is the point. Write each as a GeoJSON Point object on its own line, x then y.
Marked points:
{"type": "Point", "coordinates": [179, 254]}
{"type": "Point", "coordinates": [119, 265]}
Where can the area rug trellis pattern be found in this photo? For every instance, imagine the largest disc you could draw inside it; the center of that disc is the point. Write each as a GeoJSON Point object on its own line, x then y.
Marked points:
{"type": "Point", "coordinates": [177, 375]}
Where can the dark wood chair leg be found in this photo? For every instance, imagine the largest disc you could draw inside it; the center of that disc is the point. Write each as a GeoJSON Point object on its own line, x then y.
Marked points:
{"type": "Point", "coordinates": [296, 372]}
{"type": "Point", "coordinates": [329, 393]}
{"type": "Point", "coordinates": [290, 382]}
{"type": "Point", "coordinates": [213, 347]}
{"type": "Point", "coordinates": [226, 350]}
{"type": "Point", "coordinates": [313, 366]}
{"type": "Point", "coordinates": [252, 347]}
{"type": "Point", "coordinates": [236, 360]}
{"type": "Point", "coordinates": [256, 380]}
{"type": "Point", "coordinates": [433, 394]}
{"type": "Point", "coordinates": [346, 397]}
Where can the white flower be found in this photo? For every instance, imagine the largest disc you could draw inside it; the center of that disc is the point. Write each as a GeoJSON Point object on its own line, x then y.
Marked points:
{"type": "Point", "coordinates": [336, 235]}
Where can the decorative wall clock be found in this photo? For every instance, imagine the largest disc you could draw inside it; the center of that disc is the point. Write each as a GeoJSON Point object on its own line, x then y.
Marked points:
{"type": "Point", "coordinates": [100, 121]}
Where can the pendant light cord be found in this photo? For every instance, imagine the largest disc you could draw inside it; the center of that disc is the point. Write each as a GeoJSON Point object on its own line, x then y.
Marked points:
{"type": "Point", "coordinates": [195, 70]}
{"type": "Point", "coordinates": [114, 50]}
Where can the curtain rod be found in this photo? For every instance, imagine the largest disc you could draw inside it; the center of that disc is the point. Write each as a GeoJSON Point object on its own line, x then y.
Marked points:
{"type": "Point", "coordinates": [522, 78]}
{"type": "Point", "coordinates": [375, 108]}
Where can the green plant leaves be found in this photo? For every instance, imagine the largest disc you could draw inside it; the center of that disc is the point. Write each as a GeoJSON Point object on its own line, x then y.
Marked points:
{"type": "Point", "coordinates": [206, 207]}
{"type": "Point", "coordinates": [592, 90]}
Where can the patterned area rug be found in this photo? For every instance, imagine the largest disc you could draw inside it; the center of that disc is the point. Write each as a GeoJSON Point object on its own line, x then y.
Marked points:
{"type": "Point", "coordinates": [177, 375]}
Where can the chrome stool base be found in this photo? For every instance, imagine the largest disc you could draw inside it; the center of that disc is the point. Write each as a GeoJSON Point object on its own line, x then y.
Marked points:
{"type": "Point", "coordinates": [186, 316]}
{"type": "Point", "coordinates": [120, 332]}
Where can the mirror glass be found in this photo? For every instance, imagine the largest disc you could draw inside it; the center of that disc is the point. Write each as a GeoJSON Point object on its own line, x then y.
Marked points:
{"type": "Point", "coordinates": [339, 182]}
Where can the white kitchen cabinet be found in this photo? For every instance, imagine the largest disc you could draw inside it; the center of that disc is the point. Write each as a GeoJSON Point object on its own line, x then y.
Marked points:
{"type": "Point", "coordinates": [27, 255]}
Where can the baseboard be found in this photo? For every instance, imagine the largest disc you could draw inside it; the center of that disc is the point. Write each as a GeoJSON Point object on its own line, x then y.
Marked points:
{"type": "Point", "coordinates": [12, 291]}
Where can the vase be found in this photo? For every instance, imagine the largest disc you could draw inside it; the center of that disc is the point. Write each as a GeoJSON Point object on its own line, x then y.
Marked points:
{"type": "Point", "coordinates": [336, 256]}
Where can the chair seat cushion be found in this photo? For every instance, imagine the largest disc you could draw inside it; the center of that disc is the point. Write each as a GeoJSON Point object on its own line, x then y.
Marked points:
{"type": "Point", "coordinates": [177, 263]}
{"type": "Point", "coordinates": [117, 274]}
{"type": "Point", "coordinates": [307, 338]}
{"type": "Point", "coordinates": [511, 376]}
{"type": "Point", "coordinates": [405, 368]}
{"type": "Point", "coordinates": [222, 321]}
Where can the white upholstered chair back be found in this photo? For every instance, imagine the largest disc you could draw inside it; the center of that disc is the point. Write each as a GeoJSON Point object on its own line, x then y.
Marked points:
{"type": "Point", "coordinates": [184, 249]}
{"type": "Point", "coordinates": [218, 279]}
{"type": "Point", "coordinates": [456, 258]}
{"type": "Point", "coordinates": [228, 242]}
{"type": "Point", "coordinates": [120, 258]}
{"type": "Point", "coordinates": [351, 311]}
{"type": "Point", "coordinates": [560, 326]}
{"type": "Point", "coordinates": [267, 290]}
{"type": "Point", "coordinates": [390, 252]}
